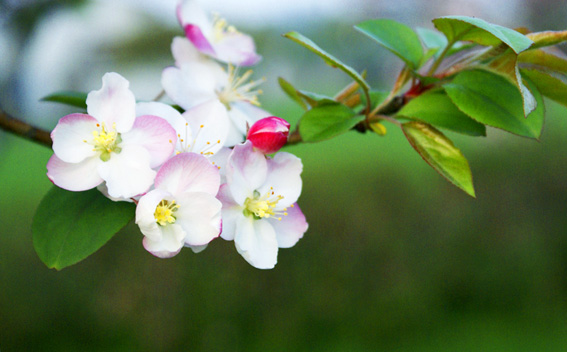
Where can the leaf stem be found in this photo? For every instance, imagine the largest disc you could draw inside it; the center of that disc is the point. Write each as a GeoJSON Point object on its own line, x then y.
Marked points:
{"type": "Point", "coordinates": [24, 130]}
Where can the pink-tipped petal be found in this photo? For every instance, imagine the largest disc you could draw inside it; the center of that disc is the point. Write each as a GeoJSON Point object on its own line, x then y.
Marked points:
{"type": "Point", "coordinates": [238, 49]}
{"type": "Point", "coordinates": [71, 137]}
{"type": "Point", "coordinates": [190, 11]}
{"type": "Point", "coordinates": [74, 176]}
{"type": "Point", "coordinates": [185, 53]}
{"type": "Point", "coordinates": [188, 172]}
{"type": "Point", "coordinates": [246, 171]}
{"type": "Point", "coordinates": [200, 216]}
{"type": "Point", "coordinates": [155, 135]}
{"type": "Point", "coordinates": [290, 228]}
{"type": "Point", "coordinates": [128, 173]}
{"type": "Point", "coordinates": [114, 103]}
{"type": "Point", "coordinates": [196, 37]}
{"type": "Point", "coordinates": [284, 176]}
{"type": "Point", "coordinates": [256, 241]}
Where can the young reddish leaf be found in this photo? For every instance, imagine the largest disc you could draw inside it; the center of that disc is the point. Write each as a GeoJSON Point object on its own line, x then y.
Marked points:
{"type": "Point", "coordinates": [440, 153]}
{"type": "Point", "coordinates": [547, 38]}
{"type": "Point", "coordinates": [400, 39]}
{"type": "Point", "coordinates": [70, 226]}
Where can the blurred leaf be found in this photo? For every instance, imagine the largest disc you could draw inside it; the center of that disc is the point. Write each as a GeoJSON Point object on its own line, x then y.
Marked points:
{"type": "Point", "coordinates": [291, 92]}
{"type": "Point", "coordinates": [432, 39]}
{"type": "Point", "coordinates": [77, 99]}
{"type": "Point", "coordinates": [550, 86]}
{"type": "Point", "coordinates": [492, 100]}
{"type": "Point", "coordinates": [400, 39]}
{"type": "Point", "coordinates": [376, 97]}
{"type": "Point", "coordinates": [479, 31]}
{"type": "Point", "coordinates": [315, 99]}
{"type": "Point", "coordinates": [547, 38]}
{"type": "Point", "coordinates": [70, 226]}
{"type": "Point", "coordinates": [544, 59]}
{"type": "Point", "coordinates": [436, 108]}
{"type": "Point", "coordinates": [328, 58]}
{"type": "Point", "coordinates": [439, 152]}
{"type": "Point", "coordinates": [327, 121]}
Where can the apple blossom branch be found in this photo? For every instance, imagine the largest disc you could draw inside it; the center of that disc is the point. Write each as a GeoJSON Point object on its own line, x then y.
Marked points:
{"type": "Point", "coordinates": [25, 130]}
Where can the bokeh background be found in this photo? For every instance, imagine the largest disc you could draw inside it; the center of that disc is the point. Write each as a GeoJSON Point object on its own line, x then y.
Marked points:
{"type": "Point", "coordinates": [395, 259]}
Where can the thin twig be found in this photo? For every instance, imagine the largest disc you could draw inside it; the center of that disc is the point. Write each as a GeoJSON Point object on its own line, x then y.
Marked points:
{"type": "Point", "coordinates": [24, 130]}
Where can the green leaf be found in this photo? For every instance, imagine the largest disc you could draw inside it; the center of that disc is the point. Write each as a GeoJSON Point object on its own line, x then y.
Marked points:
{"type": "Point", "coordinates": [493, 100]}
{"type": "Point", "coordinates": [547, 38]}
{"type": "Point", "coordinates": [77, 99]}
{"type": "Point", "coordinates": [464, 28]}
{"type": "Point", "coordinates": [70, 226]}
{"type": "Point", "coordinates": [543, 59]}
{"type": "Point", "coordinates": [376, 98]}
{"type": "Point", "coordinates": [437, 109]}
{"type": "Point", "coordinates": [315, 99]}
{"type": "Point", "coordinates": [291, 92]}
{"type": "Point", "coordinates": [550, 86]}
{"type": "Point", "coordinates": [327, 121]}
{"type": "Point", "coordinates": [396, 37]}
{"type": "Point", "coordinates": [328, 58]}
{"type": "Point", "coordinates": [439, 152]}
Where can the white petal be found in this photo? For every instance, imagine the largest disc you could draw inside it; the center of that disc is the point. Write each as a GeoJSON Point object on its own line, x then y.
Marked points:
{"type": "Point", "coordinates": [256, 241]}
{"type": "Point", "coordinates": [236, 48]}
{"type": "Point", "coordinates": [154, 134]}
{"type": "Point", "coordinates": [219, 159]}
{"type": "Point", "coordinates": [69, 137]}
{"type": "Point", "coordinates": [185, 53]}
{"type": "Point", "coordinates": [197, 249]}
{"type": "Point", "coordinates": [291, 227]}
{"type": "Point", "coordinates": [200, 216]}
{"type": "Point", "coordinates": [231, 212]}
{"type": "Point", "coordinates": [209, 124]}
{"type": "Point", "coordinates": [113, 103]}
{"type": "Point", "coordinates": [74, 176]}
{"type": "Point", "coordinates": [188, 172]}
{"type": "Point", "coordinates": [246, 171]}
{"type": "Point", "coordinates": [128, 173]}
{"type": "Point", "coordinates": [190, 12]}
{"type": "Point", "coordinates": [192, 84]}
{"type": "Point", "coordinates": [170, 243]}
{"type": "Point", "coordinates": [284, 176]}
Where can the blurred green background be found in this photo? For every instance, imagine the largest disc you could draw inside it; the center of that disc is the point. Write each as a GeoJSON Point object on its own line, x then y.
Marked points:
{"type": "Point", "coordinates": [395, 259]}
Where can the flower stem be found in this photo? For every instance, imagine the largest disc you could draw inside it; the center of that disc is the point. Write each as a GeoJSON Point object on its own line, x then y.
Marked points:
{"type": "Point", "coordinates": [24, 130]}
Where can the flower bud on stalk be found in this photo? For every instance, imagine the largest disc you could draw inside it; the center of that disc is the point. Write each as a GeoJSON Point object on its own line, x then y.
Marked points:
{"type": "Point", "coordinates": [269, 134]}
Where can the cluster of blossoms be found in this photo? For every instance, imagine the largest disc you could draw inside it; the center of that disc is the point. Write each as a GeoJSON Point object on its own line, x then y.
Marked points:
{"type": "Point", "coordinates": [196, 175]}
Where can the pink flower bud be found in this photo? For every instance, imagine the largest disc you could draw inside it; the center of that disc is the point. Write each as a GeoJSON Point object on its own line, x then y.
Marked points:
{"type": "Point", "coordinates": [269, 134]}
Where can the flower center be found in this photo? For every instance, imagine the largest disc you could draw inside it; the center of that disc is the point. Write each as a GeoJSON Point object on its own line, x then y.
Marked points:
{"type": "Point", "coordinates": [164, 213]}
{"type": "Point", "coordinates": [239, 88]}
{"type": "Point", "coordinates": [264, 206]}
{"type": "Point", "coordinates": [221, 28]}
{"type": "Point", "coordinates": [106, 141]}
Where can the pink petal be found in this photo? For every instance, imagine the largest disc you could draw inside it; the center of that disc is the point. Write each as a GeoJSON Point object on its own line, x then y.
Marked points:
{"type": "Point", "coordinates": [113, 103]}
{"type": "Point", "coordinates": [291, 227]}
{"type": "Point", "coordinates": [200, 216]}
{"type": "Point", "coordinates": [69, 137]}
{"type": "Point", "coordinates": [236, 48]}
{"type": "Point", "coordinates": [196, 37]}
{"type": "Point", "coordinates": [246, 171]}
{"type": "Point", "coordinates": [74, 176]}
{"type": "Point", "coordinates": [185, 53]}
{"type": "Point", "coordinates": [256, 241]}
{"type": "Point", "coordinates": [188, 172]}
{"type": "Point", "coordinates": [154, 134]}
{"type": "Point", "coordinates": [128, 173]}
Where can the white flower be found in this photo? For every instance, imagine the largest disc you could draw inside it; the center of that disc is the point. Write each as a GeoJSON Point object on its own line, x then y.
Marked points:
{"type": "Point", "coordinates": [259, 204]}
{"type": "Point", "coordinates": [195, 80]}
{"type": "Point", "coordinates": [216, 38]}
{"type": "Point", "coordinates": [182, 209]}
{"type": "Point", "coordinates": [109, 144]}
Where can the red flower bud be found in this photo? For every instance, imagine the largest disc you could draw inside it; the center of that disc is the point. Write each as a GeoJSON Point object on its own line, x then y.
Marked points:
{"type": "Point", "coordinates": [269, 134]}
